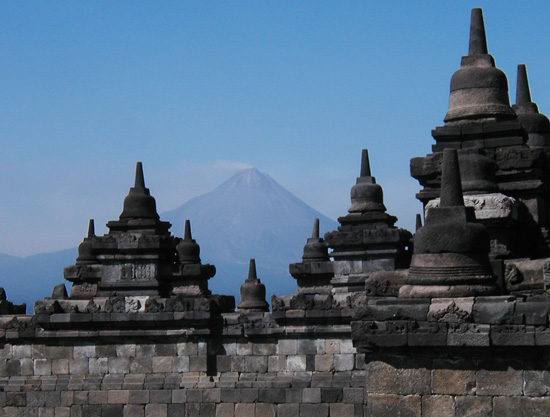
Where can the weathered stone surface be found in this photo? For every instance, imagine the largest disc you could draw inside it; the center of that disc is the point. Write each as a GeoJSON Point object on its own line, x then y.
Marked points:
{"type": "Point", "coordinates": [390, 405]}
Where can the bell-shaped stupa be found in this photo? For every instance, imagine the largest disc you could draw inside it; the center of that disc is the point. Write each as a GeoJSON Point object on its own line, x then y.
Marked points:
{"type": "Point", "coordinates": [479, 90]}
{"type": "Point", "coordinates": [536, 124]}
{"type": "Point", "coordinates": [252, 292]}
{"type": "Point", "coordinates": [451, 251]}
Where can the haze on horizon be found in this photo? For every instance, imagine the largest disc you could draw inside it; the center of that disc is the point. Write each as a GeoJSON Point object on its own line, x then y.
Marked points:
{"type": "Point", "coordinates": [200, 90]}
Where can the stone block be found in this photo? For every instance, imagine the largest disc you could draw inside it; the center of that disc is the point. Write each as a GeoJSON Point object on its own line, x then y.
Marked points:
{"type": "Point", "coordinates": [195, 395]}
{"type": "Point", "coordinates": [344, 362]}
{"type": "Point", "coordinates": [249, 395]}
{"type": "Point", "coordinates": [13, 367]}
{"type": "Point", "coordinates": [389, 405]}
{"type": "Point", "coordinates": [521, 406]}
{"type": "Point", "coordinates": [287, 347]}
{"type": "Point", "coordinates": [42, 366]}
{"type": "Point", "coordinates": [179, 396]}
{"type": "Point", "coordinates": [264, 349]}
{"type": "Point", "coordinates": [499, 382]}
{"type": "Point", "coordinates": [353, 395]}
{"type": "Point", "coordinates": [453, 381]}
{"type": "Point", "coordinates": [331, 395]}
{"type": "Point", "coordinates": [223, 363]}
{"type": "Point", "coordinates": [46, 412]}
{"type": "Point", "coordinates": [16, 399]}
{"type": "Point", "coordinates": [119, 365]}
{"type": "Point", "coordinates": [133, 410]}
{"type": "Point", "coordinates": [138, 396]}
{"type": "Point", "coordinates": [60, 366]}
{"type": "Point", "coordinates": [470, 334]}
{"type": "Point", "coordinates": [59, 352]}
{"type": "Point", "coordinates": [156, 410]}
{"type": "Point", "coordinates": [321, 379]}
{"type": "Point", "coordinates": [311, 395]}
{"type": "Point", "coordinates": [126, 350]}
{"type": "Point", "coordinates": [141, 365]}
{"type": "Point", "coordinates": [288, 410]}
{"type": "Point", "coordinates": [244, 349]}
{"type": "Point", "coordinates": [536, 383]}
{"type": "Point", "coordinates": [342, 410]}
{"type": "Point", "coordinates": [192, 409]}
{"type": "Point", "coordinates": [62, 411]}
{"type": "Point", "coordinates": [146, 349]}
{"type": "Point", "coordinates": [176, 410]}
{"type": "Point", "coordinates": [197, 363]}
{"type": "Point", "coordinates": [255, 364]}
{"type": "Point", "coordinates": [467, 406]}
{"type": "Point", "coordinates": [21, 351]}
{"type": "Point", "coordinates": [166, 349]}
{"type": "Point", "coordinates": [225, 410]}
{"type": "Point", "coordinates": [494, 310]}
{"type": "Point", "coordinates": [245, 410]}
{"type": "Point", "coordinates": [84, 351]}
{"type": "Point", "coordinates": [98, 397]}
{"type": "Point", "coordinates": [296, 363]}
{"type": "Point", "coordinates": [276, 363]}
{"type": "Point", "coordinates": [162, 364]}
{"type": "Point", "coordinates": [438, 406]}
{"type": "Point", "coordinates": [265, 410]}
{"type": "Point", "coordinates": [314, 410]}
{"type": "Point", "coordinates": [271, 395]}
{"type": "Point", "coordinates": [332, 346]}
{"type": "Point", "coordinates": [324, 363]}
{"type": "Point", "coordinates": [187, 349]}
{"type": "Point", "coordinates": [160, 396]}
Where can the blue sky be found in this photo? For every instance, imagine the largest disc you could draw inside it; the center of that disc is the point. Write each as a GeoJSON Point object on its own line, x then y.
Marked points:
{"type": "Point", "coordinates": [199, 89]}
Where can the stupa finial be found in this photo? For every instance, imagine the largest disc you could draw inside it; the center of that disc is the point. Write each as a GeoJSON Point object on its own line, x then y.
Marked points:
{"type": "Point", "coordinates": [418, 221]}
{"type": "Point", "coordinates": [187, 230]}
{"type": "Point", "coordinates": [478, 40]}
{"type": "Point", "coordinates": [523, 95]}
{"type": "Point", "coordinates": [451, 188]}
{"type": "Point", "coordinates": [315, 233]}
{"type": "Point", "coordinates": [91, 228]}
{"type": "Point", "coordinates": [252, 275]}
{"type": "Point", "coordinates": [365, 164]}
{"type": "Point", "coordinates": [140, 181]}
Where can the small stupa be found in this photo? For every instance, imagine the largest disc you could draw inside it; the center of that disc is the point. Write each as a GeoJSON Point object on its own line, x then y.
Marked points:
{"type": "Point", "coordinates": [313, 274]}
{"type": "Point", "coordinates": [451, 251]}
{"type": "Point", "coordinates": [536, 124]}
{"type": "Point", "coordinates": [366, 240]}
{"type": "Point", "coordinates": [252, 292]}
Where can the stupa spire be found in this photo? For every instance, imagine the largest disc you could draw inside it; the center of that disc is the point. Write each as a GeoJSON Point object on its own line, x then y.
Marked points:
{"type": "Point", "coordinates": [451, 188]}
{"type": "Point", "coordinates": [478, 40]}
{"type": "Point", "coordinates": [140, 180]}
{"type": "Point", "coordinates": [187, 230]}
{"type": "Point", "coordinates": [252, 275]}
{"type": "Point", "coordinates": [365, 164]}
{"type": "Point", "coordinates": [523, 95]}
{"type": "Point", "coordinates": [418, 221]}
{"type": "Point", "coordinates": [91, 229]}
{"type": "Point", "coordinates": [315, 233]}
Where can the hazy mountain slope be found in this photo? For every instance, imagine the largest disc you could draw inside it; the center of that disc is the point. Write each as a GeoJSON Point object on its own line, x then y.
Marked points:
{"type": "Point", "coordinates": [33, 278]}
{"type": "Point", "coordinates": [248, 216]}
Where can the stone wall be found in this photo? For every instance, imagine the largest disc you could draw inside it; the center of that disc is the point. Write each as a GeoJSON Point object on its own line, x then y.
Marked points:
{"type": "Point", "coordinates": [295, 373]}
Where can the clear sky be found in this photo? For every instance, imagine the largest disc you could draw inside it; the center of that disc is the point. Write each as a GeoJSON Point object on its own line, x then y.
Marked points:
{"type": "Point", "coordinates": [199, 89]}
